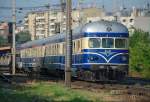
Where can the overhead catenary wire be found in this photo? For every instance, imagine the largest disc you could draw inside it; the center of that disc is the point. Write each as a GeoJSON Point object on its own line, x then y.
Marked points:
{"type": "Point", "coordinates": [30, 8]}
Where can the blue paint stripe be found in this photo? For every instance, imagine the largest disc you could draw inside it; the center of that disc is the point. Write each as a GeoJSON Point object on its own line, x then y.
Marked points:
{"type": "Point", "coordinates": [105, 34]}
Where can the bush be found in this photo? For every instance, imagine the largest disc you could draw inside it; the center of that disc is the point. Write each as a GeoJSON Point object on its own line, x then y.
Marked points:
{"type": "Point", "coordinates": [140, 53]}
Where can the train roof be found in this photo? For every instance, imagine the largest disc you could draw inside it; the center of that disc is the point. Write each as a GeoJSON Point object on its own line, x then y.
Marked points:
{"type": "Point", "coordinates": [104, 26]}
{"type": "Point", "coordinates": [93, 27]}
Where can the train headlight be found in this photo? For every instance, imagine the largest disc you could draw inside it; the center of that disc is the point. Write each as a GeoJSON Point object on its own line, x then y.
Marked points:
{"type": "Point", "coordinates": [93, 58]}
{"type": "Point", "coordinates": [124, 58]}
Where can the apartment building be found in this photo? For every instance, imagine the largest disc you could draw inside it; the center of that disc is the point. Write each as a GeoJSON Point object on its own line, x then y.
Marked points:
{"type": "Point", "coordinates": [36, 23]}
{"type": "Point", "coordinates": [42, 24]}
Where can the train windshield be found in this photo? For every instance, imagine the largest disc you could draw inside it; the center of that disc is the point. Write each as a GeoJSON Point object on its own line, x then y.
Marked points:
{"type": "Point", "coordinates": [120, 43]}
{"type": "Point", "coordinates": [108, 43]}
{"type": "Point", "coordinates": [94, 43]}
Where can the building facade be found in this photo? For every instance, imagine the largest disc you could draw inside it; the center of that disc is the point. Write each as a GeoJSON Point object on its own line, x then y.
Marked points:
{"type": "Point", "coordinates": [142, 23]}
{"type": "Point", "coordinates": [47, 23]}
{"type": "Point", "coordinates": [42, 24]}
{"type": "Point", "coordinates": [4, 30]}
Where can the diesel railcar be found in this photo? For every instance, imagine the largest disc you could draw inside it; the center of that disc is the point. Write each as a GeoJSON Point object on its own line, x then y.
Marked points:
{"type": "Point", "coordinates": [99, 52]}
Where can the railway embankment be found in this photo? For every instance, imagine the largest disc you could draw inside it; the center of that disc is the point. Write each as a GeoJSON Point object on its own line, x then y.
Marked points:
{"type": "Point", "coordinates": [51, 89]}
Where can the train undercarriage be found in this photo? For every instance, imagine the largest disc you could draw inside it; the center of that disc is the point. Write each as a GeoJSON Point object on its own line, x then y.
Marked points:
{"type": "Point", "coordinates": [97, 73]}
{"type": "Point", "coordinates": [107, 73]}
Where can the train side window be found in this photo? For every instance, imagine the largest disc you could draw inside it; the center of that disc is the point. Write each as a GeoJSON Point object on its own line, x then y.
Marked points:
{"type": "Point", "coordinates": [78, 45]}
{"type": "Point", "coordinates": [39, 51]}
{"type": "Point", "coordinates": [31, 52]}
{"type": "Point", "coordinates": [27, 52]}
{"type": "Point", "coordinates": [46, 49]}
{"type": "Point", "coordinates": [63, 48]}
{"type": "Point", "coordinates": [34, 52]}
{"type": "Point", "coordinates": [108, 43]}
{"type": "Point", "coordinates": [49, 49]}
{"type": "Point", "coordinates": [50, 46]}
{"type": "Point", "coordinates": [120, 43]}
{"type": "Point", "coordinates": [55, 51]}
{"type": "Point", "coordinates": [24, 53]}
{"type": "Point", "coordinates": [45, 53]}
{"type": "Point", "coordinates": [94, 43]}
{"type": "Point", "coordinates": [60, 49]}
{"type": "Point", "coordinates": [21, 52]}
{"type": "Point", "coordinates": [73, 47]}
{"type": "Point", "coordinates": [52, 49]}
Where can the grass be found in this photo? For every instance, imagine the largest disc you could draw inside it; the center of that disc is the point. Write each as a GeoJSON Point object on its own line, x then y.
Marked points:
{"type": "Point", "coordinates": [46, 92]}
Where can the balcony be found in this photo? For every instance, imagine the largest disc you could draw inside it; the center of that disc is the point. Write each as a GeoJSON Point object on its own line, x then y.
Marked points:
{"type": "Point", "coordinates": [40, 28]}
{"type": "Point", "coordinates": [39, 17]}
{"type": "Point", "coordinates": [52, 23]}
{"type": "Point", "coordinates": [38, 23]}
{"type": "Point", "coordinates": [52, 17]}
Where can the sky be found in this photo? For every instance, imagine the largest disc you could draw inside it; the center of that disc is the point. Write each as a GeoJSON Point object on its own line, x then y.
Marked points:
{"type": "Point", "coordinates": [6, 15]}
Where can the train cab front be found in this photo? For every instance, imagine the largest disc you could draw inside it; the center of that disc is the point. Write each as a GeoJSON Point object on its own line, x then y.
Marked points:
{"type": "Point", "coordinates": [107, 58]}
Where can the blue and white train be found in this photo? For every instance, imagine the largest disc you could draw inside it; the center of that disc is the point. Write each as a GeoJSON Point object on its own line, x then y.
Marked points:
{"type": "Point", "coordinates": [99, 52]}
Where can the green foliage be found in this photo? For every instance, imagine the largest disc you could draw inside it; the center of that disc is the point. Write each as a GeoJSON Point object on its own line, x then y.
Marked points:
{"type": "Point", "coordinates": [23, 37]}
{"type": "Point", "coordinates": [3, 41]}
{"type": "Point", "coordinates": [46, 92]}
{"type": "Point", "coordinates": [140, 53]}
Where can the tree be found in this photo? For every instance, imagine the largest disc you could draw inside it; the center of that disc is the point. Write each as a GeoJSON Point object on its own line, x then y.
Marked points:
{"type": "Point", "coordinates": [140, 53]}
{"type": "Point", "coordinates": [23, 37]}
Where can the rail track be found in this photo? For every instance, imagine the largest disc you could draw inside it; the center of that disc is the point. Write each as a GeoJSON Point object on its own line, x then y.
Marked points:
{"type": "Point", "coordinates": [128, 90]}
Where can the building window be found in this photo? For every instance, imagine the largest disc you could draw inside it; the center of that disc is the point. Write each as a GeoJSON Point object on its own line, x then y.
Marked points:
{"type": "Point", "coordinates": [124, 20]}
{"type": "Point", "coordinates": [131, 20]}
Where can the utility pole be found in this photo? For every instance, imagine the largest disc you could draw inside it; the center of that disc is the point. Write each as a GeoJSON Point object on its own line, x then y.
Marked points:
{"type": "Point", "coordinates": [68, 57]}
{"type": "Point", "coordinates": [13, 37]}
